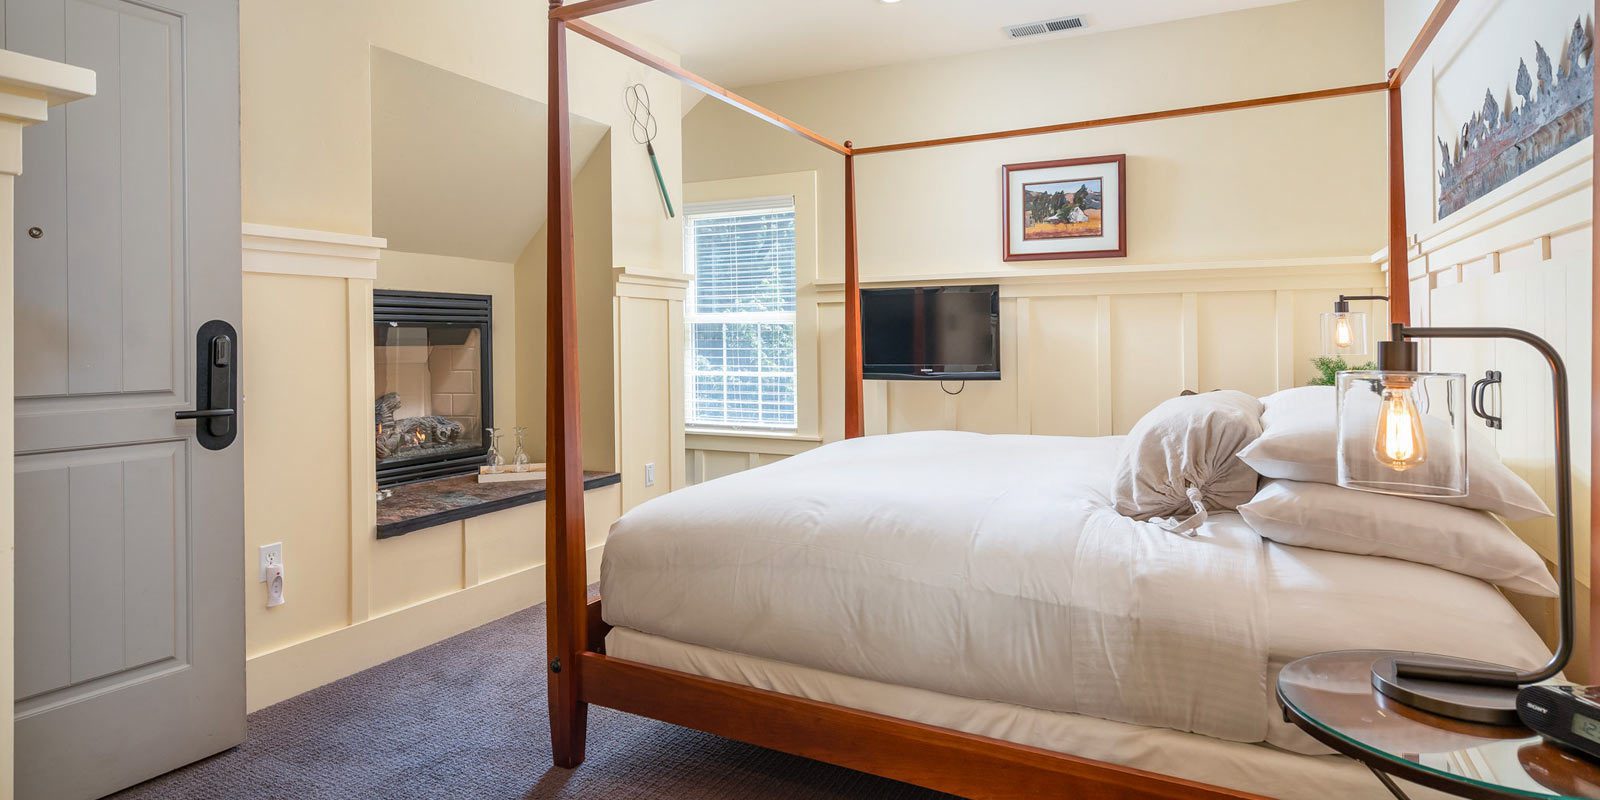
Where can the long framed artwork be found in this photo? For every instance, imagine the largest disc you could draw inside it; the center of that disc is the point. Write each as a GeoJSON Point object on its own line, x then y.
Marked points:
{"type": "Point", "coordinates": [1071, 208]}
{"type": "Point", "coordinates": [1519, 90]}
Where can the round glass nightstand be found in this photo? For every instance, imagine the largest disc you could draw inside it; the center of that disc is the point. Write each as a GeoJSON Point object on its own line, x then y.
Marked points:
{"type": "Point", "coordinates": [1330, 697]}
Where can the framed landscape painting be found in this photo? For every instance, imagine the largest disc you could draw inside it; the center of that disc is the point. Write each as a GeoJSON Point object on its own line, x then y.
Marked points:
{"type": "Point", "coordinates": [1073, 208]}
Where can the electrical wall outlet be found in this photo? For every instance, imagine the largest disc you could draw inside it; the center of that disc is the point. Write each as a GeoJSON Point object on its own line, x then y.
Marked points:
{"type": "Point", "coordinates": [271, 556]}
{"type": "Point", "coordinates": [650, 474]}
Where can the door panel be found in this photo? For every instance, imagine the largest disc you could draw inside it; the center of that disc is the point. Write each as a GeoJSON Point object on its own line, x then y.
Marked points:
{"type": "Point", "coordinates": [120, 205]}
{"type": "Point", "coordinates": [110, 584]}
{"type": "Point", "coordinates": [130, 625]}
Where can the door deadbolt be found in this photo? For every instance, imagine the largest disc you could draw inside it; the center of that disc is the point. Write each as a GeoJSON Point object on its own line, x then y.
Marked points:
{"type": "Point", "coordinates": [35, 232]}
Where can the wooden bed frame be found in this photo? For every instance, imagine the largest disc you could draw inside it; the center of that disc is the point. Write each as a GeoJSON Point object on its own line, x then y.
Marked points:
{"type": "Point", "coordinates": [937, 758]}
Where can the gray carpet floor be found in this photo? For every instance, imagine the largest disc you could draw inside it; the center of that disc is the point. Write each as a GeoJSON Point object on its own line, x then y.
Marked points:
{"type": "Point", "coordinates": [466, 718]}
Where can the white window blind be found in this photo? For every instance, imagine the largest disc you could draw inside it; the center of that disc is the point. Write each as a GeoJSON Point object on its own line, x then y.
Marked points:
{"type": "Point", "coordinates": [740, 314]}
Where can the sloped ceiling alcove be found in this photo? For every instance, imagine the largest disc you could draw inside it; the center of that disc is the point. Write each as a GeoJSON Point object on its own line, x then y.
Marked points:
{"type": "Point", "coordinates": [458, 166]}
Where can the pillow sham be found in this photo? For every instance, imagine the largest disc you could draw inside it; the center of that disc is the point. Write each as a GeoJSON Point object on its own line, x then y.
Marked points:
{"type": "Point", "coordinates": [1182, 458]}
{"type": "Point", "coordinates": [1460, 540]}
{"type": "Point", "coordinates": [1300, 431]}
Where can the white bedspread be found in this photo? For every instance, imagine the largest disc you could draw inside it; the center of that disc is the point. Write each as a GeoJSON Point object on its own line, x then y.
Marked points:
{"type": "Point", "coordinates": [990, 567]}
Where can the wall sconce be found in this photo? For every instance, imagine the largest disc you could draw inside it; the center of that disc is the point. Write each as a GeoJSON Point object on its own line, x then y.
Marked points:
{"type": "Point", "coordinates": [1403, 432]}
{"type": "Point", "coordinates": [1344, 332]}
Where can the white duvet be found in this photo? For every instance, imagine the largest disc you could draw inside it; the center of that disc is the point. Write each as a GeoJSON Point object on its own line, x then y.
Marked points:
{"type": "Point", "coordinates": [990, 567]}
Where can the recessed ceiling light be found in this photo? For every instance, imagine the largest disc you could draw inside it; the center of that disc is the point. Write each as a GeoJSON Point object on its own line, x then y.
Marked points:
{"type": "Point", "coordinates": [888, 2]}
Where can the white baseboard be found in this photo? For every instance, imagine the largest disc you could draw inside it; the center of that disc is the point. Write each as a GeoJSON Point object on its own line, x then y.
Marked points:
{"type": "Point", "coordinates": [283, 673]}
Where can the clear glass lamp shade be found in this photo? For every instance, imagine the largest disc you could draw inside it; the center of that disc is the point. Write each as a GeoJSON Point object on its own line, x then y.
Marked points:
{"type": "Point", "coordinates": [1403, 433]}
{"type": "Point", "coordinates": [1344, 333]}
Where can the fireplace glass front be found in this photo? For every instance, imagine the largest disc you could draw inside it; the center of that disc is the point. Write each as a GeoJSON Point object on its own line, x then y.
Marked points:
{"type": "Point", "coordinates": [432, 380]}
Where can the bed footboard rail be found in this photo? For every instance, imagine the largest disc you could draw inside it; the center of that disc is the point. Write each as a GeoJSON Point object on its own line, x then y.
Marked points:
{"type": "Point", "coordinates": [945, 760]}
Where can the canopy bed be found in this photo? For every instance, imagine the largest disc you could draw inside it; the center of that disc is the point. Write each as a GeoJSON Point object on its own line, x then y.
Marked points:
{"type": "Point", "coordinates": [964, 698]}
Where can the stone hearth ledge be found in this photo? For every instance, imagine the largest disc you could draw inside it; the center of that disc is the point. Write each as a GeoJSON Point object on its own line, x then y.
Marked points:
{"type": "Point", "coordinates": [426, 504]}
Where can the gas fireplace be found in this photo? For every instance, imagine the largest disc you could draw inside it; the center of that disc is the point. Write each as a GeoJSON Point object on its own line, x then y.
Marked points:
{"type": "Point", "coordinates": [433, 379]}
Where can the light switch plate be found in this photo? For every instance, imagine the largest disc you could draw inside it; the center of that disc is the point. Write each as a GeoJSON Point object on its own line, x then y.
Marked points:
{"type": "Point", "coordinates": [271, 555]}
{"type": "Point", "coordinates": [650, 474]}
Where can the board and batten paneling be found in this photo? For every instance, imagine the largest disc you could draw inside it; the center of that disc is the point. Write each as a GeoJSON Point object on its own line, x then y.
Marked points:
{"type": "Point", "coordinates": [648, 315]}
{"type": "Point", "coordinates": [1087, 351]}
{"type": "Point", "coordinates": [1521, 257]}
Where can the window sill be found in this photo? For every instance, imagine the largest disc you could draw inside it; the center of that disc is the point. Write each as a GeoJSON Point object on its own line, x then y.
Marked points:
{"type": "Point", "coordinates": [733, 440]}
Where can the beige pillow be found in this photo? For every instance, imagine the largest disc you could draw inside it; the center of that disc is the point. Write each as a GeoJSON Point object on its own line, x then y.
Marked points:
{"type": "Point", "coordinates": [1181, 458]}
{"type": "Point", "coordinates": [1460, 540]}
{"type": "Point", "coordinates": [1299, 431]}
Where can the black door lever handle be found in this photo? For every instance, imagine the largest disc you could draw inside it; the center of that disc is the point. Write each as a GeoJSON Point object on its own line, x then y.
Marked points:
{"type": "Point", "coordinates": [204, 413]}
{"type": "Point", "coordinates": [216, 393]}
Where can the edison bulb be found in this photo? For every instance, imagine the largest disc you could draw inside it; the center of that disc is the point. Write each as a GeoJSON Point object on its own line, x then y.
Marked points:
{"type": "Point", "coordinates": [1343, 336]}
{"type": "Point", "coordinates": [1400, 444]}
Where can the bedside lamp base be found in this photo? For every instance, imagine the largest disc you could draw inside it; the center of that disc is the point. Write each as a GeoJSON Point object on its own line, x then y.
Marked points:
{"type": "Point", "coordinates": [1457, 697]}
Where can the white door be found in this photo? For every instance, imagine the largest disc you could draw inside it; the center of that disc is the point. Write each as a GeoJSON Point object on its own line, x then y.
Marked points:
{"type": "Point", "coordinates": [130, 620]}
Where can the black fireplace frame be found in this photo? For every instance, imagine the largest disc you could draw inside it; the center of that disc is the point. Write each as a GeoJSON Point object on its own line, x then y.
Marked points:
{"type": "Point", "coordinates": [397, 308]}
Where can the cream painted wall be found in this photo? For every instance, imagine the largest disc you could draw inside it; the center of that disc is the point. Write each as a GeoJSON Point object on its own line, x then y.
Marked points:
{"type": "Point", "coordinates": [296, 463]}
{"type": "Point", "coordinates": [1252, 220]}
{"type": "Point", "coordinates": [307, 163]}
{"type": "Point", "coordinates": [649, 319]}
{"type": "Point", "coordinates": [1519, 257]}
{"type": "Point", "coordinates": [422, 272]}
{"type": "Point", "coordinates": [306, 123]}
{"type": "Point", "coordinates": [425, 586]}
{"type": "Point", "coordinates": [354, 600]}
{"type": "Point", "coordinates": [591, 221]}
{"type": "Point", "coordinates": [1287, 181]}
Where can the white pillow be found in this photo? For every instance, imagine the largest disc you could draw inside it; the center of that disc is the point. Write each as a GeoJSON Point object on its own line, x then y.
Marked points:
{"type": "Point", "coordinates": [1188, 445]}
{"type": "Point", "coordinates": [1300, 430]}
{"type": "Point", "coordinates": [1460, 540]}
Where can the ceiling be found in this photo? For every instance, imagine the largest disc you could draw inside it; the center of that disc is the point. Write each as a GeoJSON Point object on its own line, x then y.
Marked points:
{"type": "Point", "coordinates": [458, 166]}
{"type": "Point", "coordinates": [747, 42]}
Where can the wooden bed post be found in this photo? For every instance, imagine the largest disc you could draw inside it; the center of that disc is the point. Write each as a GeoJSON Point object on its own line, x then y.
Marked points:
{"type": "Point", "coordinates": [1594, 402]}
{"type": "Point", "coordinates": [1399, 248]}
{"type": "Point", "coordinates": [854, 425]}
{"type": "Point", "coordinates": [566, 590]}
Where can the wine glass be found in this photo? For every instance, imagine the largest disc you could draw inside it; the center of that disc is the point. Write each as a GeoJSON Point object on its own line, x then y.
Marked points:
{"type": "Point", "coordinates": [497, 462]}
{"type": "Point", "coordinates": [519, 459]}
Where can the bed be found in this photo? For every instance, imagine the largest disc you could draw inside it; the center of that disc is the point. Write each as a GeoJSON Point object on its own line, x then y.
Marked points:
{"type": "Point", "coordinates": [986, 584]}
{"type": "Point", "coordinates": [733, 610]}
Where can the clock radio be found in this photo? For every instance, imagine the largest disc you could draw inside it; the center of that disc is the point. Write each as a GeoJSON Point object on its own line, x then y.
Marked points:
{"type": "Point", "coordinates": [1566, 715]}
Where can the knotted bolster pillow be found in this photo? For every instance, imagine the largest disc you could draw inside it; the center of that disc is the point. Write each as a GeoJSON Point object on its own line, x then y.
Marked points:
{"type": "Point", "coordinates": [1181, 460]}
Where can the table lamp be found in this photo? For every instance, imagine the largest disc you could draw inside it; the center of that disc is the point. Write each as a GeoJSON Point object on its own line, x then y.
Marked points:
{"type": "Point", "coordinates": [1403, 432]}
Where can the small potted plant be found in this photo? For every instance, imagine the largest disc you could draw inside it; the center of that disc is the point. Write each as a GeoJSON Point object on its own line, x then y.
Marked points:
{"type": "Point", "coordinates": [1329, 366]}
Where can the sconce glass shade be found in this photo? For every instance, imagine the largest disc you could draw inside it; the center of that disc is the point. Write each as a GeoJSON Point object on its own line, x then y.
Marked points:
{"type": "Point", "coordinates": [1344, 333]}
{"type": "Point", "coordinates": [1403, 433]}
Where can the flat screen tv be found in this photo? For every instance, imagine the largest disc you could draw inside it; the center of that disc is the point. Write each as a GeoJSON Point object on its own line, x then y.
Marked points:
{"type": "Point", "coordinates": [947, 333]}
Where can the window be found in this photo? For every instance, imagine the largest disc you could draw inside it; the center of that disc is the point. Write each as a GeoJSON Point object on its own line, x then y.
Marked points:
{"type": "Point", "coordinates": [740, 349]}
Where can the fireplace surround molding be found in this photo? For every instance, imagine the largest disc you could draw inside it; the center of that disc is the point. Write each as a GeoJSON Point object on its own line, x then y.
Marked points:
{"type": "Point", "coordinates": [281, 250]}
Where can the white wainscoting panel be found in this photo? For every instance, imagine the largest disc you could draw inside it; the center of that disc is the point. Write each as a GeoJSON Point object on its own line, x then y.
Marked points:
{"type": "Point", "coordinates": [1086, 352]}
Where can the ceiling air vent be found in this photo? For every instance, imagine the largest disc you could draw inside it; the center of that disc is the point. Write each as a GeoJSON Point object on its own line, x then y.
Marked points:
{"type": "Point", "coordinates": [1046, 26]}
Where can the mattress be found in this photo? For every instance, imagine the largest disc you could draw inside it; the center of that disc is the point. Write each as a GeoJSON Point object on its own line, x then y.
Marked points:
{"type": "Point", "coordinates": [682, 569]}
